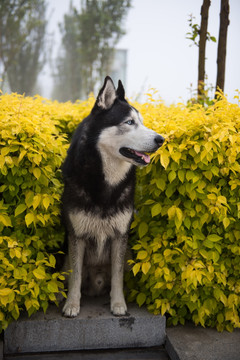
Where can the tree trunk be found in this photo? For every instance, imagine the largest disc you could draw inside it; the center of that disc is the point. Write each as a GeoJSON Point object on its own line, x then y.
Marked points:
{"type": "Point", "coordinates": [202, 46]}
{"type": "Point", "coordinates": [222, 44]}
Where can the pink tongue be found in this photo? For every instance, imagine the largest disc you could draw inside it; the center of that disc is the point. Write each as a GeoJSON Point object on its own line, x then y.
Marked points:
{"type": "Point", "coordinates": [145, 157]}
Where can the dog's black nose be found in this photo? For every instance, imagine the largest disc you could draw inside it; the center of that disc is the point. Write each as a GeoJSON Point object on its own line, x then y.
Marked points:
{"type": "Point", "coordinates": [159, 140]}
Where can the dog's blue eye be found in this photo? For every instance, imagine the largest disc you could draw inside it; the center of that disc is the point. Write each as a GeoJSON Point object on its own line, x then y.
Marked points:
{"type": "Point", "coordinates": [130, 122]}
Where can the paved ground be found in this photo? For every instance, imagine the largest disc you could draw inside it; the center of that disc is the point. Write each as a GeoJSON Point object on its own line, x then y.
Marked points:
{"type": "Point", "coordinates": [129, 354]}
{"type": "Point", "coordinates": [186, 342]}
{"type": "Point", "coordinates": [191, 342]}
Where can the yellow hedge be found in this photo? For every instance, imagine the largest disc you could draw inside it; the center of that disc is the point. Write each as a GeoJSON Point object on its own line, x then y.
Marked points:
{"type": "Point", "coordinates": [32, 148]}
{"type": "Point", "coordinates": [186, 232]}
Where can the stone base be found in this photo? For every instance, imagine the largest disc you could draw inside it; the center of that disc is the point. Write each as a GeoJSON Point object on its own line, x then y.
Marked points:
{"type": "Point", "coordinates": [94, 328]}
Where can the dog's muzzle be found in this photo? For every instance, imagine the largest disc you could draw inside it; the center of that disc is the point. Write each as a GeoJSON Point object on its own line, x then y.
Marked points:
{"type": "Point", "coordinates": [140, 157]}
{"type": "Point", "coordinates": [159, 140]}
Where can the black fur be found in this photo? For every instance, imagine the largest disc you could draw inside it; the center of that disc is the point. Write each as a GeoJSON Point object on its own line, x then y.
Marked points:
{"type": "Point", "coordinates": [85, 187]}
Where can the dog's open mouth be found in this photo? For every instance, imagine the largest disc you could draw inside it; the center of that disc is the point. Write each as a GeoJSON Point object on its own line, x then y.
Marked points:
{"type": "Point", "coordinates": [139, 157]}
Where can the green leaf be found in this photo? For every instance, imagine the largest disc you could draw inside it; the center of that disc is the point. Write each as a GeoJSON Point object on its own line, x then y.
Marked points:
{"type": "Point", "coordinates": [181, 175]}
{"type": "Point", "coordinates": [209, 244]}
{"type": "Point", "coordinates": [29, 198]}
{"type": "Point", "coordinates": [187, 222]}
{"type": "Point", "coordinates": [142, 229]}
{"type": "Point", "coordinates": [20, 209]}
{"type": "Point", "coordinates": [141, 298]}
{"type": "Point", "coordinates": [149, 202]}
{"type": "Point", "coordinates": [214, 237]}
{"type": "Point", "coordinates": [52, 286]}
{"type": "Point", "coordinates": [171, 176]}
{"type": "Point", "coordinates": [37, 173]}
{"type": "Point", "coordinates": [161, 184]}
{"type": "Point", "coordinates": [156, 209]}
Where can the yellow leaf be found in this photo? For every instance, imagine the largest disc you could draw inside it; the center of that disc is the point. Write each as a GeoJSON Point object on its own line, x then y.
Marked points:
{"type": "Point", "coordinates": [164, 158]}
{"type": "Point", "coordinates": [2, 161]}
{"type": "Point", "coordinates": [18, 253]}
{"type": "Point", "coordinates": [142, 254]}
{"type": "Point", "coordinates": [39, 273]}
{"type": "Point", "coordinates": [22, 154]}
{"type": "Point", "coordinates": [136, 268]}
{"type": "Point", "coordinates": [37, 173]}
{"type": "Point", "coordinates": [5, 292]}
{"type": "Point", "coordinates": [5, 220]}
{"type": "Point", "coordinates": [172, 211]}
{"type": "Point", "coordinates": [29, 218]}
{"type": "Point", "coordinates": [226, 222]}
{"type": "Point", "coordinates": [176, 156]}
{"type": "Point", "coordinates": [145, 267]}
{"type": "Point", "coordinates": [36, 201]}
{"type": "Point", "coordinates": [28, 303]}
{"type": "Point", "coordinates": [46, 202]}
{"type": "Point", "coordinates": [179, 214]}
{"type": "Point", "coordinates": [171, 176]}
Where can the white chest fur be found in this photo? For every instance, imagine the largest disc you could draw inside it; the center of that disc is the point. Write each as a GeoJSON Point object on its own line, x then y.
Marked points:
{"type": "Point", "coordinates": [94, 226]}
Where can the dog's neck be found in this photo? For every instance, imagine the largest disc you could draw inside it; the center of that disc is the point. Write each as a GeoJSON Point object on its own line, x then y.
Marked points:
{"type": "Point", "coordinates": [114, 170]}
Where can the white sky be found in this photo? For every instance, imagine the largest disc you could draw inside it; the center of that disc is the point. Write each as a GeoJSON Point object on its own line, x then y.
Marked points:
{"type": "Point", "coordinates": [159, 54]}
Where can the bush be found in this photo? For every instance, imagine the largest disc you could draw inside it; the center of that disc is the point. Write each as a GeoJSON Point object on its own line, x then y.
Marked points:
{"type": "Point", "coordinates": [32, 148]}
{"type": "Point", "coordinates": [186, 232]}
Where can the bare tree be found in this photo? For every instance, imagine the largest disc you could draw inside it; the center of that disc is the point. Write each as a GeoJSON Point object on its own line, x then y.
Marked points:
{"type": "Point", "coordinates": [222, 44]}
{"type": "Point", "coordinates": [202, 46]}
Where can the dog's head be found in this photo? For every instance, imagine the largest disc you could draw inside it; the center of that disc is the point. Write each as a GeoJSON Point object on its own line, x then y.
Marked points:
{"type": "Point", "coordinates": [123, 134]}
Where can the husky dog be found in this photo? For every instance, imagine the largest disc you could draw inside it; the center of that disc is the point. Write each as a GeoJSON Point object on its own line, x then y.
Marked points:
{"type": "Point", "coordinates": [99, 180]}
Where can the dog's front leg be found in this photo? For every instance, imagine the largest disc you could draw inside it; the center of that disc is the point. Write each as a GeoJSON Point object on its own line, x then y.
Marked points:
{"type": "Point", "coordinates": [118, 304]}
{"type": "Point", "coordinates": [76, 250]}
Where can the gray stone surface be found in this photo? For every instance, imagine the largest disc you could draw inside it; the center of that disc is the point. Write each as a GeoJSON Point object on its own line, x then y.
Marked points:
{"type": "Point", "coordinates": [94, 328]}
{"type": "Point", "coordinates": [1, 349]}
{"type": "Point", "coordinates": [129, 354]}
{"type": "Point", "coordinates": [191, 342]}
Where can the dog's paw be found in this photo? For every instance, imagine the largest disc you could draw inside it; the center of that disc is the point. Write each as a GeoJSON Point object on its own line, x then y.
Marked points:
{"type": "Point", "coordinates": [71, 309]}
{"type": "Point", "coordinates": [119, 308]}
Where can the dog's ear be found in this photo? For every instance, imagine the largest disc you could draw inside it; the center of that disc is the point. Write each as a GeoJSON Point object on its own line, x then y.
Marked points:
{"type": "Point", "coordinates": [120, 91]}
{"type": "Point", "coordinates": [107, 94]}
